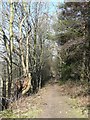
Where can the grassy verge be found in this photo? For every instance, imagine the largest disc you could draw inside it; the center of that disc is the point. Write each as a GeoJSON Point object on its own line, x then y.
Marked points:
{"type": "Point", "coordinates": [31, 113]}
{"type": "Point", "coordinates": [78, 93]}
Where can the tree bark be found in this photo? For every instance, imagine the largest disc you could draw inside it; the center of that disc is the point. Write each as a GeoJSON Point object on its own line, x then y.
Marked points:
{"type": "Point", "coordinates": [11, 48]}
{"type": "Point", "coordinates": [4, 104]}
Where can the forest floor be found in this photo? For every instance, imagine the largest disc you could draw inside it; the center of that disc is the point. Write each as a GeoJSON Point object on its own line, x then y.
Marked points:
{"type": "Point", "coordinates": [49, 102]}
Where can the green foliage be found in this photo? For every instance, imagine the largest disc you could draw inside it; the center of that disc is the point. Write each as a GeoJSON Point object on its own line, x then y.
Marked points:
{"type": "Point", "coordinates": [70, 32]}
{"type": "Point", "coordinates": [65, 72]}
{"type": "Point", "coordinates": [31, 113]}
{"type": "Point", "coordinates": [7, 114]}
{"type": "Point", "coordinates": [50, 36]}
{"type": "Point", "coordinates": [69, 72]}
{"type": "Point", "coordinates": [70, 23]}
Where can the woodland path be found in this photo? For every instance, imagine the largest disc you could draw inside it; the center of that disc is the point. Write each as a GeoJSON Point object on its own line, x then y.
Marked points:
{"type": "Point", "coordinates": [57, 105]}
{"type": "Point", "coordinates": [49, 102]}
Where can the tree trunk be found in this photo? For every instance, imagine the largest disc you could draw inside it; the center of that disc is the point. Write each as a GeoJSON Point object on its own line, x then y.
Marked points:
{"type": "Point", "coordinates": [4, 103]}
{"type": "Point", "coordinates": [11, 49]}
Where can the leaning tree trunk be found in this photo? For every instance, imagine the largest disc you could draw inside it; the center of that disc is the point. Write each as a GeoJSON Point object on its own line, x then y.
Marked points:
{"type": "Point", "coordinates": [25, 63]}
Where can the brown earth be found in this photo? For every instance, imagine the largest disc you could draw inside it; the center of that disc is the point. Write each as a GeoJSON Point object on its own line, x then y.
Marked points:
{"type": "Point", "coordinates": [49, 102]}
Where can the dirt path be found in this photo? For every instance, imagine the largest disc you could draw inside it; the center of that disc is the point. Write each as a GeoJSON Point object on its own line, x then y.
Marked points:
{"type": "Point", "coordinates": [55, 105]}
{"type": "Point", "coordinates": [49, 102]}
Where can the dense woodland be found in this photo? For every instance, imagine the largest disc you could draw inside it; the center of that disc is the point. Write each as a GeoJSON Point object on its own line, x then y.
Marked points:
{"type": "Point", "coordinates": [37, 45]}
